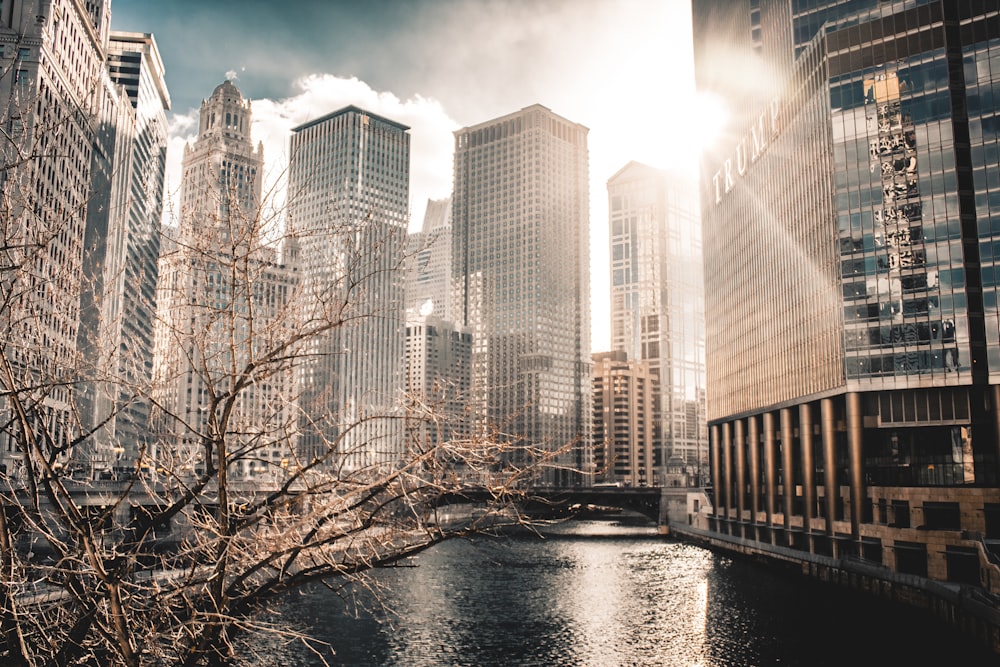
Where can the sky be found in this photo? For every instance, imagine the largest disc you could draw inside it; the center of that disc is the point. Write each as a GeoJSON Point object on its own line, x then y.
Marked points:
{"type": "Point", "coordinates": [622, 68]}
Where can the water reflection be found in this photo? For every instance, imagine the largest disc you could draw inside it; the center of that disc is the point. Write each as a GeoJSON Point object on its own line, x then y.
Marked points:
{"type": "Point", "coordinates": [601, 594]}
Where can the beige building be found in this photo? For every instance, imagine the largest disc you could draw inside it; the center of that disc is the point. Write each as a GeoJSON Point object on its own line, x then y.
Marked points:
{"type": "Point", "coordinates": [221, 304]}
{"type": "Point", "coordinates": [627, 429]}
{"type": "Point", "coordinates": [64, 216]}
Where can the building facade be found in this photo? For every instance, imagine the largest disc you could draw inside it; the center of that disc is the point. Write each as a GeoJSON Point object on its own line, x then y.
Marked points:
{"type": "Point", "coordinates": [520, 253]}
{"type": "Point", "coordinates": [438, 377]}
{"type": "Point", "coordinates": [222, 306]}
{"type": "Point", "coordinates": [56, 98]}
{"type": "Point", "coordinates": [122, 251]}
{"type": "Point", "coordinates": [428, 257]}
{"type": "Point", "coordinates": [657, 300]}
{"type": "Point", "coordinates": [852, 331]}
{"type": "Point", "coordinates": [627, 425]}
{"type": "Point", "coordinates": [349, 175]}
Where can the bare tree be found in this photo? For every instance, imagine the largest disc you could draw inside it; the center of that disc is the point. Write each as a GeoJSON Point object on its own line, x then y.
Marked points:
{"type": "Point", "coordinates": [222, 512]}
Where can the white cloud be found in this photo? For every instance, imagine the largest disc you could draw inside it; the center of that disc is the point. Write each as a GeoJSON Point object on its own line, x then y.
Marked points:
{"type": "Point", "coordinates": [431, 139]}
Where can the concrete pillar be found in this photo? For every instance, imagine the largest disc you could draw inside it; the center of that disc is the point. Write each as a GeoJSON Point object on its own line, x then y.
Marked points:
{"type": "Point", "coordinates": [808, 466]}
{"type": "Point", "coordinates": [714, 463]}
{"type": "Point", "coordinates": [727, 467]}
{"type": "Point", "coordinates": [770, 468]}
{"type": "Point", "coordinates": [741, 468]}
{"type": "Point", "coordinates": [855, 454]}
{"type": "Point", "coordinates": [787, 471]}
{"type": "Point", "coordinates": [996, 434]}
{"type": "Point", "coordinates": [828, 431]}
{"type": "Point", "coordinates": [753, 443]}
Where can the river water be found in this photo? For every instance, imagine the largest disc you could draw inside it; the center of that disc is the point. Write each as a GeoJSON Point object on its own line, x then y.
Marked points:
{"type": "Point", "coordinates": [608, 593]}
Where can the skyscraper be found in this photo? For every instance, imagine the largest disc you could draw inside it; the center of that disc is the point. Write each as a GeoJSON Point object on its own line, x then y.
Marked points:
{"type": "Point", "coordinates": [657, 300]}
{"type": "Point", "coordinates": [429, 262]}
{"type": "Point", "coordinates": [520, 252]}
{"type": "Point", "coordinates": [853, 344]}
{"type": "Point", "coordinates": [55, 100]}
{"type": "Point", "coordinates": [123, 247]}
{"type": "Point", "coordinates": [221, 304]}
{"type": "Point", "coordinates": [349, 208]}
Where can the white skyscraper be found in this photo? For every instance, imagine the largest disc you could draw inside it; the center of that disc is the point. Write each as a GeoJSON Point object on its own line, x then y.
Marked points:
{"type": "Point", "coordinates": [657, 299]}
{"type": "Point", "coordinates": [221, 302]}
{"type": "Point", "coordinates": [521, 268]}
{"type": "Point", "coordinates": [349, 209]}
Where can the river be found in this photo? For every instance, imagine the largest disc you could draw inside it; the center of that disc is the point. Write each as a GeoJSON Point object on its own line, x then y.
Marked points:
{"type": "Point", "coordinates": [608, 593]}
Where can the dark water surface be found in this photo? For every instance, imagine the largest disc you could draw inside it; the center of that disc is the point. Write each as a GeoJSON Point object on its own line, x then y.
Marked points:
{"type": "Point", "coordinates": [607, 593]}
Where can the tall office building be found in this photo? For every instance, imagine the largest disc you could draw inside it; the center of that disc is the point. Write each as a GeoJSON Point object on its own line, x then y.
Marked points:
{"type": "Point", "coordinates": [122, 250]}
{"type": "Point", "coordinates": [428, 257]}
{"type": "Point", "coordinates": [627, 429]}
{"type": "Point", "coordinates": [349, 178]}
{"type": "Point", "coordinates": [520, 251]}
{"type": "Point", "coordinates": [657, 300]}
{"type": "Point", "coordinates": [850, 216]}
{"type": "Point", "coordinates": [222, 302]}
{"type": "Point", "coordinates": [51, 87]}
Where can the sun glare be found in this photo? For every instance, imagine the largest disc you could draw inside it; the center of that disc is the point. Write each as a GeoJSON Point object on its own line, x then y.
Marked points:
{"type": "Point", "coordinates": [710, 119]}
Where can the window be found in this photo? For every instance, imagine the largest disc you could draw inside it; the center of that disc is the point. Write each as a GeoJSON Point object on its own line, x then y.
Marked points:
{"type": "Point", "coordinates": [942, 516]}
{"type": "Point", "coordinates": [900, 514]}
{"type": "Point", "coordinates": [911, 558]}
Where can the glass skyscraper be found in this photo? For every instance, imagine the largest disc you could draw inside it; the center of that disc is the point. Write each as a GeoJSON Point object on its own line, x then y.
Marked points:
{"type": "Point", "coordinates": [520, 253]}
{"type": "Point", "coordinates": [853, 339]}
{"type": "Point", "coordinates": [428, 257]}
{"type": "Point", "coordinates": [657, 301]}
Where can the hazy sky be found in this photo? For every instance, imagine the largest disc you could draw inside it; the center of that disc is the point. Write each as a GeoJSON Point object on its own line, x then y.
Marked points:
{"type": "Point", "coordinates": [620, 67]}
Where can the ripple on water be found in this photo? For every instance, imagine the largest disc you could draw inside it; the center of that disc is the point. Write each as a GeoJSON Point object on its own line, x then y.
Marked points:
{"type": "Point", "coordinates": [607, 594]}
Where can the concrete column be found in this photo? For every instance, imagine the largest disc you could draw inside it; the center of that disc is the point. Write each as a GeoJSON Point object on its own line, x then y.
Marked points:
{"type": "Point", "coordinates": [996, 435]}
{"type": "Point", "coordinates": [727, 467]}
{"type": "Point", "coordinates": [855, 436]}
{"type": "Point", "coordinates": [741, 468]}
{"type": "Point", "coordinates": [828, 430]}
{"type": "Point", "coordinates": [808, 466]}
{"type": "Point", "coordinates": [753, 443]}
{"type": "Point", "coordinates": [714, 464]}
{"type": "Point", "coordinates": [770, 468]}
{"type": "Point", "coordinates": [787, 471]}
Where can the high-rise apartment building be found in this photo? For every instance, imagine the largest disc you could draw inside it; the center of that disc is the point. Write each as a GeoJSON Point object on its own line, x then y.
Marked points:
{"type": "Point", "coordinates": [349, 208]}
{"type": "Point", "coordinates": [520, 253]}
{"type": "Point", "coordinates": [428, 257]}
{"type": "Point", "coordinates": [850, 215]}
{"type": "Point", "coordinates": [221, 303]}
{"type": "Point", "coordinates": [627, 429]}
{"type": "Point", "coordinates": [657, 300]}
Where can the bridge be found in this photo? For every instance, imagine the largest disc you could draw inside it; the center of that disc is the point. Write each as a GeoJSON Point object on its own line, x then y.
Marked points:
{"type": "Point", "coordinates": [564, 501]}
